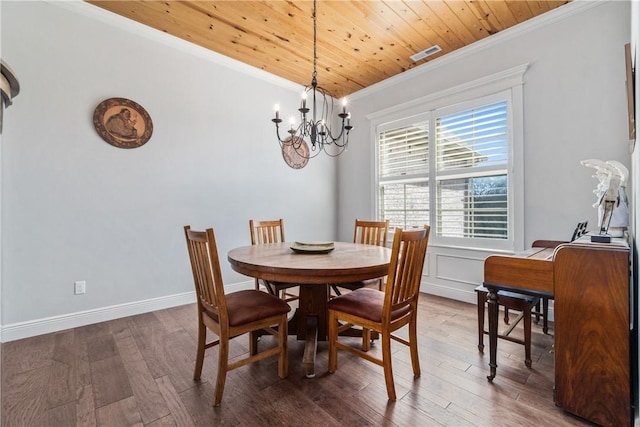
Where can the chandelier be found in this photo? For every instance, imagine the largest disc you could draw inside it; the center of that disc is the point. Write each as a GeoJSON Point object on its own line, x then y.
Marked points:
{"type": "Point", "coordinates": [314, 123]}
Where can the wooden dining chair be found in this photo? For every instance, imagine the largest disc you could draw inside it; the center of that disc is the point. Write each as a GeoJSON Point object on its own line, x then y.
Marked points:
{"type": "Point", "coordinates": [384, 311]}
{"type": "Point", "coordinates": [231, 315]}
{"type": "Point", "coordinates": [367, 233]}
{"type": "Point", "coordinates": [271, 231]}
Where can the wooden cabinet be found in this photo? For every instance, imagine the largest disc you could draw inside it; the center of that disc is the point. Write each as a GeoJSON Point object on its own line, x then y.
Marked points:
{"type": "Point", "coordinates": [593, 331]}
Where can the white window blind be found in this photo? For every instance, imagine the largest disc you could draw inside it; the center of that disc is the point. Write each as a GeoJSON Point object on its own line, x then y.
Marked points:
{"type": "Point", "coordinates": [472, 188]}
{"type": "Point", "coordinates": [403, 175]}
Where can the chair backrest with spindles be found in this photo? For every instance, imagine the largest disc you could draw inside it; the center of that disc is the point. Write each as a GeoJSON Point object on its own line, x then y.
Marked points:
{"type": "Point", "coordinates": [371, 232]}
{"type": "Point", "coordinates": [207, 275]}
{"type": "Point", "coordinates": [262, 232]}
{"type": "Point", "coordinates": [408, 254]}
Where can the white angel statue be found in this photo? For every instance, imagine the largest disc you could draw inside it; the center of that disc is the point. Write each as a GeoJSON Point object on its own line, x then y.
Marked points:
{"type": "Point", "coordinates": [613, 214]}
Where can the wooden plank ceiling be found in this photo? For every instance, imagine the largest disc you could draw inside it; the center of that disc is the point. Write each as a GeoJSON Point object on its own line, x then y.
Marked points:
{"type": "Point", "coordinates": [359, 42]}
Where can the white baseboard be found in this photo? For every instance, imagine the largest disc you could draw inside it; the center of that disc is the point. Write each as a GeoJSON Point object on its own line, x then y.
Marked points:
{"type": "Point", "coordinates": [47, 325]}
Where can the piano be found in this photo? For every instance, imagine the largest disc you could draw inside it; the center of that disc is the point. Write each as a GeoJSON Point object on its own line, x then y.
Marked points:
{"type": "Point", "coordinates": [593, 323]}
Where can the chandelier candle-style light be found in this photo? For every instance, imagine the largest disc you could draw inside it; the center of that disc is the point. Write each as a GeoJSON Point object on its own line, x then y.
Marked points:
{"type": "Point", "coordinates": [315, 126]}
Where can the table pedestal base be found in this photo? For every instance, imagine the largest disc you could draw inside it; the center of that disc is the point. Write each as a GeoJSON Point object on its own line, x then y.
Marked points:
{"type": "Point", "coordinates": [310, 323]}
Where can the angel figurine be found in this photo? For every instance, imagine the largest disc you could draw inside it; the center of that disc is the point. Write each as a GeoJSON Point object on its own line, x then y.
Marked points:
{"type": "Point", "coordinates": [612, 205]}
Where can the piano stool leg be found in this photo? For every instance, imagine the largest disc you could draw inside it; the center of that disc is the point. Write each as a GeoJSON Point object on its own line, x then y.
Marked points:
{"type": "Point", "coordinates": [482, 301]}
{"type": "Point", "coordinates": [545, 315]}
{"type": "Point", "coordinates": [492, 299]}
{"type": "Point", "coordinates": [527, 337]}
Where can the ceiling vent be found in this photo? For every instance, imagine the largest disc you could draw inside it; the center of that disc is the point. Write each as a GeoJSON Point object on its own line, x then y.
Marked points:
{"type": "Point", "coordinates": [424, 53]}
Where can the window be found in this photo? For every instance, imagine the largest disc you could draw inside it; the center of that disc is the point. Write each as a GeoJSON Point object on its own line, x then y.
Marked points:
{"type": "Point", "coordinates": [455, 163]}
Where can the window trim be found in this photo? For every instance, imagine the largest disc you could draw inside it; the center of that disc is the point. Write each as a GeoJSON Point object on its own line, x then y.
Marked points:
{"type": "Point", "coordinates": [508, 84]}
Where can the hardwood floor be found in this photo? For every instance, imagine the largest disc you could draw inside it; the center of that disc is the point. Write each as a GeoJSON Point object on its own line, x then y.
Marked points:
{"type": "Point", "coordinates": [138, 371]}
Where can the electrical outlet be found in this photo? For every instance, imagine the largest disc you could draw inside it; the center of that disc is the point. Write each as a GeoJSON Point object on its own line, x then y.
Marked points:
{"type": "Point", "coordinates": [80, 287]}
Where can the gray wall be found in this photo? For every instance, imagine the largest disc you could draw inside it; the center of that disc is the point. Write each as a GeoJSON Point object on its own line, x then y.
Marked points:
{"type": "Point", "coordinates": [77, 208]}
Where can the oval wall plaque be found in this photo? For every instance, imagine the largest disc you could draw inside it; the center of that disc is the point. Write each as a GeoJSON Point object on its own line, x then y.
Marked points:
{"type": "Point", "coordinates": [122, 123]}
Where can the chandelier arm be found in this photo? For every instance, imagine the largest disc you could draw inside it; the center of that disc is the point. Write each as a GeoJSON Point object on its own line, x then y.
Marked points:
{"type": "Point", "coordinates": [280, 140]}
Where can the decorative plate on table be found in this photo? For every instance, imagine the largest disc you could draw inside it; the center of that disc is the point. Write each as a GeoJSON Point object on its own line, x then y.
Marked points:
{"type": "Point", "coordinates": [312, 247]}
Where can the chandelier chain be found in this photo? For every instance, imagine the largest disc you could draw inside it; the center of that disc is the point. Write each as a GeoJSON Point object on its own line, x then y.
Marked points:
{"type": "Point", "coordinates": [315, 53]}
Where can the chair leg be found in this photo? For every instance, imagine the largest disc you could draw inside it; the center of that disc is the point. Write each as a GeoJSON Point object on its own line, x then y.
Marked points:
{"type": "Point", "coordinates": [253, 343]}
{"type": "Point", "coordinates": [386, 364]}
{"type": "Point", "coordinates": [527, 337]}
{"type": "Point", "coordinates": [413, 346]}
{"type": "Point", "coordinates": [481, 304]}
{"type": "Point", "coordinates": [223, 364]}
{"type": "Point", "coordinates": [283, 357]}
{"type": "Point", "coordinates": [545, 315]}
{"type": "Point", "coordinates": [366, 339]}
{"type": "Point", "coordinates": [333, 337]}
{"type": "Point", "coordinates": [202, 336]}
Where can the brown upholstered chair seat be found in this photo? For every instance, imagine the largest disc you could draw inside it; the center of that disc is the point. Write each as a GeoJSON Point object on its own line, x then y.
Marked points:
{"type": "Point", "coordinates": [248, 306]}
{"type": "Point", "coordinates": [366, 303]}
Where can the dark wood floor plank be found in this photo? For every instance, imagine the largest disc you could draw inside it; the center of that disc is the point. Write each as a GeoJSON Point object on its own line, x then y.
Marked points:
{"type": "Point", "coordinates": [110, 381]}
{"type": "Point", "coordinates": [63, 386]}
{"type": "Point", "coordinates": [150, 402]}
{"type": "Point", "coordinates": [185, 315]}
{"type": "Point", "coordinates": [101, 347]}
{"type": "Point", "coordinates": [24, 397]}
{"type": "Point", "coordinates": [149, 340]}
{"type": "Point", "coordinates": [121, 413]}
{"type": "Point", "coordinates": [339, 400]}
{"type": "Point", "coordinates": [167, 320]}
{"type": "Point", "coordinates": [85, 408]}
{"type": "Point", "coordinates": [63, 415]}
{"type": "Point", "coordinates": [167, 421]}
{"type": "Point", "coordinates": [179, 413]}
{"type": "Point", "coordinates": [286, 405]}
{"type": "Point", "coordinates": [27, 354]}
{"type": "Point", "coordinates": [199, 403]}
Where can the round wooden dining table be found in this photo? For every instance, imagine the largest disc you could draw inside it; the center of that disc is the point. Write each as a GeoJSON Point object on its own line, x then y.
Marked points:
{"type": "Point", "coordinates": [314, 272]}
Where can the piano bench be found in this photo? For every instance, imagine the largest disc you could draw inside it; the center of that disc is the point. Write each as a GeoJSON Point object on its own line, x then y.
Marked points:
{"type": "Point", "coordinates": [525, 304]}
